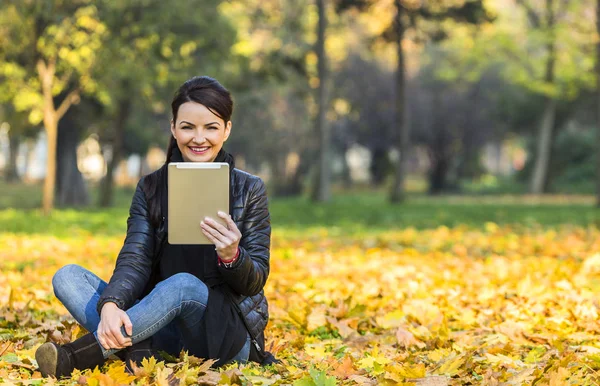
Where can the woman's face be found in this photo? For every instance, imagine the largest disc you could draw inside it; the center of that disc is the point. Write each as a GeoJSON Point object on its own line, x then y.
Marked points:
{"type": "Point", "coordinates": [200, 134]}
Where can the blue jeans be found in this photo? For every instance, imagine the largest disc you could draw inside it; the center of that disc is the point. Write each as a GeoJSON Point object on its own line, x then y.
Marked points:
{"type": "Point", "coordinates": [171, 313]}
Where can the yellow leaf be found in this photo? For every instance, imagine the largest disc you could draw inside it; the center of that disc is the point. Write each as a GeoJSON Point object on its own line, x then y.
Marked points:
{"type": "Point", "coordinates": [409, 370]}
{"type": "Point", "coordinates": [117, 372]}
{"type": "Point", "coordinates": [451, 365]}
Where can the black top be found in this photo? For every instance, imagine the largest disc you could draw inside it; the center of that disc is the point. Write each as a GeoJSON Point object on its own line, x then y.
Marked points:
{"type": "Point", "coordinates": [223, 332]}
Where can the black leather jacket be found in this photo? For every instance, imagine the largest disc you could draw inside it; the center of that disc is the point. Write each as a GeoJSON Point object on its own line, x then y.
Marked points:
{"type": "Point", "coordinates": [246, 277]}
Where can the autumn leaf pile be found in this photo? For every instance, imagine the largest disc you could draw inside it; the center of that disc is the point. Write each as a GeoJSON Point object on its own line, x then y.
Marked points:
{"type": "Point", "coordinates": [494, 305]}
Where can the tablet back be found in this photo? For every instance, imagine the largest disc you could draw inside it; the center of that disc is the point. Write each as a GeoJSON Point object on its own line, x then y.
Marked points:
{"type": "Point", "coordinates": [196, 190]}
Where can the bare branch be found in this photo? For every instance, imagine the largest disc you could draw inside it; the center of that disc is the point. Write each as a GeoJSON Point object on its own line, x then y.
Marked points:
{"type": "Point", "coordinates": [65, 78]}
{"type": "Point", "coordinates": [527, 66]}
{"type": "Point", "coordinates": [533, 17]}
{"type": "Point", "coordinates": [71, 99]}
{"type": "Point", "coordinates": [562, 8]}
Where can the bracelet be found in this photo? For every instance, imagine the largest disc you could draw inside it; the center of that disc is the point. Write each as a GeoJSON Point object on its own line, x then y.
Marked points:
{"type": "Point", "coordinates": [228, 264]}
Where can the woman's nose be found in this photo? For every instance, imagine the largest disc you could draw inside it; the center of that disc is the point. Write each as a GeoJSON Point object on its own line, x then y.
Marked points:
{"type": "Point", "coordinates": [199, 138]}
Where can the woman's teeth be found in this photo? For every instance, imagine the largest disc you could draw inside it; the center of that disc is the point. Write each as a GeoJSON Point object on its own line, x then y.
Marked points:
{"type": "Point", "coordinates": [199, 150]}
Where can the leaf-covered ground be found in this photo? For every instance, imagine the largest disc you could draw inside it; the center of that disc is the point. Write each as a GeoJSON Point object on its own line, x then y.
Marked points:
{"type": "Point", "coordinates": [445, 306]}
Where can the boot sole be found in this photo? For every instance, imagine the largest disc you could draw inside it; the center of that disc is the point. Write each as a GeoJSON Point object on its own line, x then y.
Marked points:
{"type": "Point", "coordinates": [47, 359]}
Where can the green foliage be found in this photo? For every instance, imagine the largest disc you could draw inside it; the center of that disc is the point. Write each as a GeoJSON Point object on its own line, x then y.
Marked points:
{"type": "Point", "coordinates": [573, 163]}
{"type": "Point", "coordinates": [55, 42]}
{"type": "Point", "coordinates": [316, 378]}
{"type": "Point", "coordinates": [357, 213]}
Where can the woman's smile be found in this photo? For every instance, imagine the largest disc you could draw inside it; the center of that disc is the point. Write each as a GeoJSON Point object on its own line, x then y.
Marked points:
{"type": "Point", "coordinates": [199, 150]}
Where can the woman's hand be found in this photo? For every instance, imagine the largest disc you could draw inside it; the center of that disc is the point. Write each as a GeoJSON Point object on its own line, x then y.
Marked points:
{"type": "Point", "coordinates": [226, 239]}
{"type": "Point", "coordinates": [109, 329]}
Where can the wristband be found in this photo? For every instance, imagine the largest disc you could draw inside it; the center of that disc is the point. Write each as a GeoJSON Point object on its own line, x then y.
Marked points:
{"type": "Point", "coordinates": [228, 264]}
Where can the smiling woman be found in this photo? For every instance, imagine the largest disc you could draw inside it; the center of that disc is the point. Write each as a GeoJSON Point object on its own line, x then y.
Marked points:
{"type": "Point", "coordinates": [205, 299]}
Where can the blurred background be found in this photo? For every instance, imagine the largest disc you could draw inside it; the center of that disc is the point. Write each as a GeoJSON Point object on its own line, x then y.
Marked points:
{"type": "Point", "coordinates": [369, 99]}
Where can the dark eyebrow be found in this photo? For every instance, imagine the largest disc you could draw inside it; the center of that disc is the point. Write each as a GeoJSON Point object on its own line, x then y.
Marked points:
{"type": "Point", "coordinates": [212, 123]}
{"type": "Point", "coordinates": [189, 123]}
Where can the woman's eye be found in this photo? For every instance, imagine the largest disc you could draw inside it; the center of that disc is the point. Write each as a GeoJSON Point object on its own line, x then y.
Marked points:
{"type": "Point", "coordinates": [186, 127]}
{"type": "Point", "coordinates": [213, 128]}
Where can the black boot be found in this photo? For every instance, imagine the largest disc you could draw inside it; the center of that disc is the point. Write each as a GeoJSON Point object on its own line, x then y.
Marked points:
{"type": "Point", "coordinates": [55, 360]}
{"type": "Point", "coordinates": [137, 353]}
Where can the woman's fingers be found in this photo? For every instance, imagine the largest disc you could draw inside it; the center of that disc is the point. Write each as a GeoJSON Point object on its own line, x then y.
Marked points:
{"type": "Point", "coordinates": [127, 323]}
{"type": "Point", "coordinates": [109, 342]}
{"type": "Point", "coordinates": [217, 237]}
{"type": "Point", "coordinates": [230, 223]}
{"type": "Point", "coordinates": [218, 227]}
{"type": "Point", "coordinates": [211, 238]}
{"type": "Point", "coordinates": [102, 341]}
{"type": "Point", "coordinates": [117, 337]}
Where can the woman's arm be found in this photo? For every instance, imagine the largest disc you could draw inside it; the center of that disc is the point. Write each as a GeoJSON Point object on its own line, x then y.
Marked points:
{"type": "Point", "coordinates": [134, 263]}
{"type": "Point", "coordinates": [248, 274]}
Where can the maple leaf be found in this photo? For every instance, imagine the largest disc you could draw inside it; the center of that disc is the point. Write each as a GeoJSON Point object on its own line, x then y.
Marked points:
{"type": "Point", "coordinates": [116, 372]}
{"type": "Point", "coordinates": [374, 362]}
{"type": "Point", "coordinates": [206, 365]}
{"type": "Point", "coordinates": [406, 339]}
{"type": "Point", "coordinates": [162, 376]}
{"type": "Point", "coordinates": [345, 369]}
{"type": "Point", "coordinates": [451, 365]}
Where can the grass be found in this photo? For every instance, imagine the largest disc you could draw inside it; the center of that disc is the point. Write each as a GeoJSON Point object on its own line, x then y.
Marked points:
{"type": "Point", "coordinates": [356, 212]}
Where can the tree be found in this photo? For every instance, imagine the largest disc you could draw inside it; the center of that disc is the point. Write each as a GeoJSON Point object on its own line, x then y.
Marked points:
{"type": "Point", "coordinates": [322, 183]}
{"type": "Point", "coordinates": [402, 122]}
{"type": "Point", "coordinates": [272, 79]}
{"type": "Point", "coordinates": [61, 40]}
{"type": "Point", "coordinates": [543, 48]}
{"type": "Point", "coordinates": [153, 47]}
{"type": "Point", "coordinates": [410, 15]}
{"type": "Point", "coordinates": [598, 103]}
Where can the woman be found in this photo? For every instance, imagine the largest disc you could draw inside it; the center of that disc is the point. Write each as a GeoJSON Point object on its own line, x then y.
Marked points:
{"type": "Point", "coordinates": [205, 299]}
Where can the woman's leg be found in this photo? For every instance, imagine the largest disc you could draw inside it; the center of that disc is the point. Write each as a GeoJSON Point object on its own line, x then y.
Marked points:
{"type": "Point", "coordinates": [181, 296]}
{"type": "Point", "coordinates": [79, 290]}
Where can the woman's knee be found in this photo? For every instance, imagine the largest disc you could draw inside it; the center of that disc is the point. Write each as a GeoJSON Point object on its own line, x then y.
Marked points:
{"type": "Point", "coordinates": [189, 286]}
{"type": "Point", "coordinates": [64, 278]}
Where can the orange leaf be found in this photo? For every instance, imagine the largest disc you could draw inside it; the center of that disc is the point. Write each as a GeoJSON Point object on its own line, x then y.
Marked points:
{"type": "Point", "coordinates": [345, 369]}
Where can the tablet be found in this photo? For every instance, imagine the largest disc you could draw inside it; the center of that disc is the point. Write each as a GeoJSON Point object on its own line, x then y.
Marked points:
{"type": "Point", "coordinates": [196, 190]}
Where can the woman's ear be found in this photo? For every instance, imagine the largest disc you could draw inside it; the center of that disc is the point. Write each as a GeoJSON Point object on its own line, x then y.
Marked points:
{"type": "Point", "coordinates": [173, 128]}
{"type": "Point", "coordinates": [227, 130]}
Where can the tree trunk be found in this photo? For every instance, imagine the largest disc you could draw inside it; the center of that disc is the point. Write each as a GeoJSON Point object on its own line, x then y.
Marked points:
{"type": "Point", "coordinates": [598, 105]}
{"type": "Point", "coordinates": [397, 194]}
{"type": "Point", "coordinates": [286, 185]}
{"type": "Point", "coordinates": [71, 189]}
{"type": "Point", "coordinates": [51, 127]}
{"type": "Point", "coordinates": [544, 148]}
{"type": "Point", "coordinates": [52, 116]}
{"type": "Point", "coordinates": [321, 189]}
{"type": "Point", "coordinates": [346, 172]}
{"type": "Point", "coordinates": [468, 167]}
{"type": "Point", "coordinates": [107, 185]}
{"type": "Point", "coordinates": [438, 175]}
{"type": "Point", "coordinates": [11, 169]}
{"type": "Point", "coordinates": [380, 166]}
{"type": "Point", "coordinates": [440, 153]}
